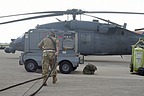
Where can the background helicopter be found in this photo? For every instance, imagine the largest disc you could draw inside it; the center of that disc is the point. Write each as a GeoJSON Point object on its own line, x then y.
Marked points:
{"type": "Point", "coordinates": [94, 38]}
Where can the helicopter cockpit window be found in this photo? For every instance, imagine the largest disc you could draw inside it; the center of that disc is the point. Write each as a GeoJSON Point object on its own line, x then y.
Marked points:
{"type": "Point", "coordinates": [85, 39]}
{"type": "Point", "coordinates": [122, 33]}
{"type": "Point", "coordinates": [68, 42]}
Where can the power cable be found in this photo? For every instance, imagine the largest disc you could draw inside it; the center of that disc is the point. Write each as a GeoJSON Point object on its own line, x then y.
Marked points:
{"type": "Point", "coordinates": [15, 85]}
{"type": "Point", "coordinates": [30, 88]}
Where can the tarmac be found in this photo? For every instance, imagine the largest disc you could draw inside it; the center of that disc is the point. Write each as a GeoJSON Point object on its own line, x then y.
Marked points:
{"type": "Point", "coordinates": [112, 78]}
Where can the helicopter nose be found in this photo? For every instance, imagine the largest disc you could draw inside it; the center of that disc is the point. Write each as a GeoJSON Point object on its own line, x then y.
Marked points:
{"type": "Point", "coordinates": [6, 50]}
{"type": "Point", "coordinates": [9, 50]}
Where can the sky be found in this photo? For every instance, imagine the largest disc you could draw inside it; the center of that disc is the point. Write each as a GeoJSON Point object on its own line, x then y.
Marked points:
{"type": "Point", "coordinates": [13, 30]}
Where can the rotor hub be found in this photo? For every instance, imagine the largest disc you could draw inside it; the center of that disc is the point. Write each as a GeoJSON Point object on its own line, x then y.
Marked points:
{"type": "Point", "coordinates": [74, 12]}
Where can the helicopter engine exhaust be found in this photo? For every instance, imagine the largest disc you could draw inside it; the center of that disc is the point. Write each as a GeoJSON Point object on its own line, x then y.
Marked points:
{"type": "Point", "coordinates": [86, 25]}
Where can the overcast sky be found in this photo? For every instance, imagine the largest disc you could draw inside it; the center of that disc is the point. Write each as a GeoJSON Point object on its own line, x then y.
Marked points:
{"type": "Point", "coordinates": [13, 30]}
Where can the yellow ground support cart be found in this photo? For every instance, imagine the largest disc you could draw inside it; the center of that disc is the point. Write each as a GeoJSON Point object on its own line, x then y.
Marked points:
{"type": "Point", "coordinates": [137, 58]}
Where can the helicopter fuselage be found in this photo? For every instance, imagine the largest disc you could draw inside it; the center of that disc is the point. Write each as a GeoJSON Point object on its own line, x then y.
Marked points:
{"type": "Point", "coordinates": [94, 38]}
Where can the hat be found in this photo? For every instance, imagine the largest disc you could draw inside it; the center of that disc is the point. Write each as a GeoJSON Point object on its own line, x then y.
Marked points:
{"type": "Point", "coordinates": [51, 34]}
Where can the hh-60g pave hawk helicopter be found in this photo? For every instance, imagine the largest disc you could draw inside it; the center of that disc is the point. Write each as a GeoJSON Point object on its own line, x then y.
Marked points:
{"type": "Point", "coordinates": [94, 38]}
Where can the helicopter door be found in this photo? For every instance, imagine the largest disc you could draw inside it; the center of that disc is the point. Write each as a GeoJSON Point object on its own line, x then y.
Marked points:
{"type": "Point", "coordinates": [86, 41]}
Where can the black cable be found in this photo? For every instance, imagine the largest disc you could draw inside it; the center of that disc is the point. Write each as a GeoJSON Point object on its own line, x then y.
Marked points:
{"type": "Point", "coordinates": [29, 88]}
{"type": "Point", "coordinates": [33, 79]}
{"type": "Point", "coordinates": [21, 83]}
{"type": "Point", "coordinates": [23, 56]}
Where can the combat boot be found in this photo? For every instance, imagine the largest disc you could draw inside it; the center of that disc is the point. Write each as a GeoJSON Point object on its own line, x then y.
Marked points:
{"type": "Point", "coordinates": [54, 79]}
{"type": "Point", "coordinates": [45, 84]}
{"type": "Point", "coordinates": [44, 81]}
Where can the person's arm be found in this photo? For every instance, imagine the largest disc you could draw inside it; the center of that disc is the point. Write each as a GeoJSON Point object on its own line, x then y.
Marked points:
{"type": "Point", "coordinates": [40, 44]}
{"type": "Point", "coordinates": [57, 52]}
{"type": "Point", "coordinates": [57, 47]}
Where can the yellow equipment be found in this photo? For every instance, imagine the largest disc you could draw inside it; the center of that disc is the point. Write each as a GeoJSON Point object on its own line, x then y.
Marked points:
{"type": "Point", "coordinates": [137, 58]}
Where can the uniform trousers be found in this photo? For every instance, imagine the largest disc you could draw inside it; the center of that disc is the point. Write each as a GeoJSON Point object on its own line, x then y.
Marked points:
{"type": "Point", "coordinates": [49, 61]}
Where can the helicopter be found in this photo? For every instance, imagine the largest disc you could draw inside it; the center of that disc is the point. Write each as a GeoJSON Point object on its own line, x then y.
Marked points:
{"type": "Point", "coordinates": [94, 38]}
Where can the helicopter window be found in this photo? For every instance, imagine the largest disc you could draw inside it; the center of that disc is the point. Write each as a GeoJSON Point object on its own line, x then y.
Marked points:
{"type": "Point", "coordinates": [31, 31]}
{"type": "Point", "coordinates": [68, 42]}
{"type": "Point", "coordinates": [85, 39]}
{"type": "Point", "coordinates": [122, 32]}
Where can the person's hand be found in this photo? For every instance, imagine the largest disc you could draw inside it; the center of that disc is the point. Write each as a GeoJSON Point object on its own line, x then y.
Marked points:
{"type": "Point", "coordinates": [56, 53]}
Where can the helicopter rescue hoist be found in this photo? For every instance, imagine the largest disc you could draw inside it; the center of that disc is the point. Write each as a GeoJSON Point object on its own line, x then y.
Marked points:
{"type": "Point", "coordinates": [137, 58]}
{"type": "Point", "coordinates": [68, 59]}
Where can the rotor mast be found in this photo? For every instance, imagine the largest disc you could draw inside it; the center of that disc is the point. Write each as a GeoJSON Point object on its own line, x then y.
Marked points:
{"type": "Point", "coordinates": [74, 12]}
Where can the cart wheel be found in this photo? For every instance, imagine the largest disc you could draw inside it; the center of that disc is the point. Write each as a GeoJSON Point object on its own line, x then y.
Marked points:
{"type": "Point", "coordinates": [74, 68]}
{"type": "Point", "coordinates": [131, 67]}
{"type": "Point", "coordinates": [65, 67]}
{"type": "Point", "coordinates": [31, 66]}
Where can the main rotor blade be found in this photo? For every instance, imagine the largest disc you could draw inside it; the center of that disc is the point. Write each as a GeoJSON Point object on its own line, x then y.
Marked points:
{"type": "Point", "coordinates": [44, 12]}
{"type": "Point", "coordinates": [114, 12]}
{"type": "Point", "coordinates": [74, 12]}
{"type": "Point", "coordinates": [139, 29]}
{"type": "Point", "coordinates": [34, 17]}
{"type": "Point", "coordinates": [103, 20]}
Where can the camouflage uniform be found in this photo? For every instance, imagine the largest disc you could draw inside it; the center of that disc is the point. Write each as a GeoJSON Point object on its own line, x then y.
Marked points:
{"type": "Point", "coordinates": [49, 57]}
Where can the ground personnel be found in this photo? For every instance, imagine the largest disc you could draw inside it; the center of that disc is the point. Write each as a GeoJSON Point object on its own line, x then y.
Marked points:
{"type": "Point", "coordinates": [50, 48]}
